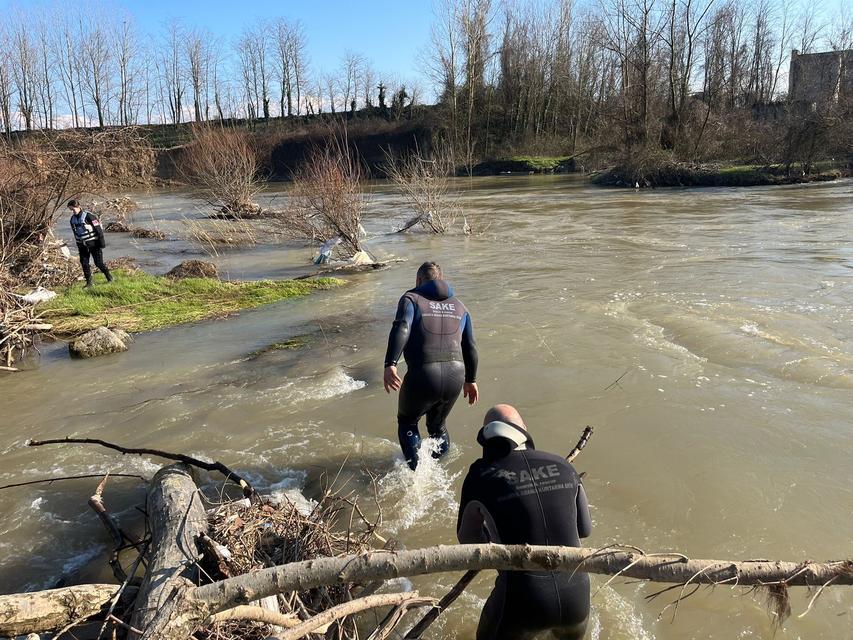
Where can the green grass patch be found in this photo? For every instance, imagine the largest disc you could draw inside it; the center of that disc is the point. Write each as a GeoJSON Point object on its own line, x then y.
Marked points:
{"type": "Point", "coordinates": [525, 164]}
{"type": "Point", "coordinates": [142, 302]}
{"type": "Point", "coordinates": [540, 163]}
{"type": "Point", "coordinates": [285, 345]}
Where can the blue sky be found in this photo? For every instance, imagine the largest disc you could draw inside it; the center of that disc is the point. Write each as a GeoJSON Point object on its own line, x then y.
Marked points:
{"type": "Point", "coordinates": [390, 33]}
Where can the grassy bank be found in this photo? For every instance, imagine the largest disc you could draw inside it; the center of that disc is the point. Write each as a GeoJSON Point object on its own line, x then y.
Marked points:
{"type": "Point", "coordinates": [714, 175]}
{"type": "Point", "coordinates": [525, 164]}
{"type": "Point", "coordinates": [137, 301]}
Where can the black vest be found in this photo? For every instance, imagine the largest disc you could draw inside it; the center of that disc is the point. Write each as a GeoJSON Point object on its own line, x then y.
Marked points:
{"type": "Point", "coordinates": [531, 495]}
{"type": "Point", "coordinates": [436, 333]}
{"type": "Point", "coordinates": [84, 231]}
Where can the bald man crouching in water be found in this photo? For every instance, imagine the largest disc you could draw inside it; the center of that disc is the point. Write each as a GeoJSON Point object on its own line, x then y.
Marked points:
{"type": "Point", "coordinates": [515, 494]}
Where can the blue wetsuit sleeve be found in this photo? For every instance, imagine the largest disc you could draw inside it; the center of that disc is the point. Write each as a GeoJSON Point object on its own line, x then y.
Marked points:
{"type": "Point", "coordinates": [584, 519]}
{"type": "Point", "coordinates": [469, 350]}
{"type": "Point", "coordinates": [399, 335]}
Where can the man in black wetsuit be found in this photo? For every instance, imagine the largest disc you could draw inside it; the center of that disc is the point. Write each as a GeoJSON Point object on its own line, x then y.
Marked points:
{"type": "Point", "coordinates": [515, 494]}
{"type": "Point", "coordinates": [434, 331]}
{"type": "Point", "coordinates": [90, 238]}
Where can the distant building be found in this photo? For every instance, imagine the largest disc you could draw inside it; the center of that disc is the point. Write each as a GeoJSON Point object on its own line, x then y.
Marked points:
{"type": "Point", "coordinates": [821, 78]}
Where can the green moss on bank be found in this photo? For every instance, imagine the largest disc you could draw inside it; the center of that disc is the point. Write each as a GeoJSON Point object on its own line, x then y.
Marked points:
{"type": "Point", "coordinates": [670, 174]}
{"type": "Point", "coordinates": [526, 164]}
{"type": "Point", "coordinates": [287, 345]}
{"type": "Point", "coordinates": [142, 302]}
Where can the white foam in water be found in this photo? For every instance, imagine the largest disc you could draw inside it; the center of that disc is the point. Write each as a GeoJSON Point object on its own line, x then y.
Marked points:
{"type": "Point", "coordinates": [612, 611]}
{"type": "Point", "coordinates": [320, 387]}
{"type": "Point", "coordinates": [422, 496]}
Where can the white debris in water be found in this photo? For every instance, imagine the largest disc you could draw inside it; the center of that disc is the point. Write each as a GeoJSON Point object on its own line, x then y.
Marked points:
{"type": "Point", "coordinates": [37, 503]}
{"type": "Point", "coordinates": [303, 505]}
{"type": "Point", "coordinates": [422, 496]}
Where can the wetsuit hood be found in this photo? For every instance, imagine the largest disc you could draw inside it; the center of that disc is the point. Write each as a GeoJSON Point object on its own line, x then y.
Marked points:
{"type": "Point", "coordinates": [434, 290]}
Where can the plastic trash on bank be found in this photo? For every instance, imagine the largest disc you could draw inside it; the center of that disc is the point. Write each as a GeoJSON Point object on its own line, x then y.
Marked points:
{"type": "Point", "coordinates": [325, 255]}
{"type": "Point", "coordinates": [362, 257]}
{"type": "Point", "coordinates": [39, 294]}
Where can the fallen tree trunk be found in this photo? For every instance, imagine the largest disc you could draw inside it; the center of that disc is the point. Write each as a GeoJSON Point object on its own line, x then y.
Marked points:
{"type": "Point", "coordinates": [384, 565]}
{"type": "Point", "coordinates": [176, 517]}
{"type": "Point", "coordinates": [40, 611]}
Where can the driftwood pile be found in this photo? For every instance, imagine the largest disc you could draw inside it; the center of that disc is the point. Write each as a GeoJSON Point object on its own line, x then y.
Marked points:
{"type": "Point", "coordinates": [282, 569]}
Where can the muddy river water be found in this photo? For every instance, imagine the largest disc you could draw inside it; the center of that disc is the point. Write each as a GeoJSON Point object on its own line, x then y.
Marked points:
{"type": "Point", "coordinates": [726, 315]}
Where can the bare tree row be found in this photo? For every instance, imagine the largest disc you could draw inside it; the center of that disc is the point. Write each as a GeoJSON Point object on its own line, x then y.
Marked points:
{"type": "Point", "coordinates": [79, 65]}
{"type": "Point", "coordinates": [624, 73]}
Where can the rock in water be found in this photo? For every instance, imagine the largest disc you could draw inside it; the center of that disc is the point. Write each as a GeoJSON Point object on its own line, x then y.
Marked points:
{"type": "Point", "coordinates": [194, 269]}
{"type": "Point", "coordinates": [99, 342]}
{"type": "Point", "coordinates": [116, 226]}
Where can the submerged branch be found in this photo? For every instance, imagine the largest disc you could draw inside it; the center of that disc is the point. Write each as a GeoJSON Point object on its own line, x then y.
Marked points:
{"type": "Point", "coordinates": [248, 490]}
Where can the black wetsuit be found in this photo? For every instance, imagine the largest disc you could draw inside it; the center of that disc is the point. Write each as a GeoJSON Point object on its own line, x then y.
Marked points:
{"type": "Point", "coordinates": [434, 332]}
{"type": "Point", "coordinates": [528, 497]}
{"type": "Point", "coordinates": [89, 235]}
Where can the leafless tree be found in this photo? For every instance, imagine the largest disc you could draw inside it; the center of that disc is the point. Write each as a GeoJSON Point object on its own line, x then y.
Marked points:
{"type": "Point", "coordinates": [252, 49]}
{"type": "Point", "coordinates": [172, 74]}
{"type": "Point", "coordinates": [327, 199]}
{"type": "Point", "coordinates": [424, 183]}
{"type": "Point", "coordinates": [330, 88]}
{"type": "Point", "coordinates": [93, 46]}
{"type": "Point", "coordinates": [686, 24]}
{"type": "Point", "coordinates": [6, 82]}
{"type": "Point", "coordinates": [199, 57]}
{"type": "Point", "coordinates": [368, 83]}
{"type": "Point", "coordinates": [444, 61]}
{"type": "Point", "coordinates": [350, 75]}
{"type": "Point", "coordinates": [126, 47]}
{"type": "Point", "coordinates": [841, 33]}
{"type": "Point", "coordinates": [44, 75]}
{"type": "Point", "coordinates": [809, 26]}
{"type": "Point", "coordinates": [223, 162]}
{"type": "Point", "coordinates": [290, 43]}
{"type": "Point", "coordinates": [67, 60]}
{"type": "Point", "coordinates": [24, 69]}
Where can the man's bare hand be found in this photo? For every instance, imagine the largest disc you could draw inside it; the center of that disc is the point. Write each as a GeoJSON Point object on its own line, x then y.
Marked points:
{"type": "Point", "coordinates": [391, 380]}
{"type": "Point", "coordinates": [470, 391]}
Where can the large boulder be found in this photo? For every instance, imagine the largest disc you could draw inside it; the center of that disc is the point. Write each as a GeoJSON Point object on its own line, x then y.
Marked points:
{"type": "Point", "coordinates": [194, 269]}
{"type": "Point", "coordinates": [99, 342]}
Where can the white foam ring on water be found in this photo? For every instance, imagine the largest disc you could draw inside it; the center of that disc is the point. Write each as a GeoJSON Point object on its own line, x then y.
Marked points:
{"type": "Point", "coordinates": [421, 496]}
{"type": "Point", "coordinates": [317, 387]}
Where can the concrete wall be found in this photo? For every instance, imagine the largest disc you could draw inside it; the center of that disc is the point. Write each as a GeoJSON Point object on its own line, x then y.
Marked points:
{"type": "Point", "coordinates": [821, 77]}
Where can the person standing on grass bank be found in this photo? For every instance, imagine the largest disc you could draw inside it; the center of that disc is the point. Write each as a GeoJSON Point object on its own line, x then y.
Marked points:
{"type": "Point", "coordinates": [515, 494]}
{"type": "Point", "coordinates": [434, 332]}
{"type": "Point", "coordinates": [90, 238]}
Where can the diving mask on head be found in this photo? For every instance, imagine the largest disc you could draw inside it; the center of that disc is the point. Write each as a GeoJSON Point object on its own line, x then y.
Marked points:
{"type": "Point", "coordinates": [508, 431]}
